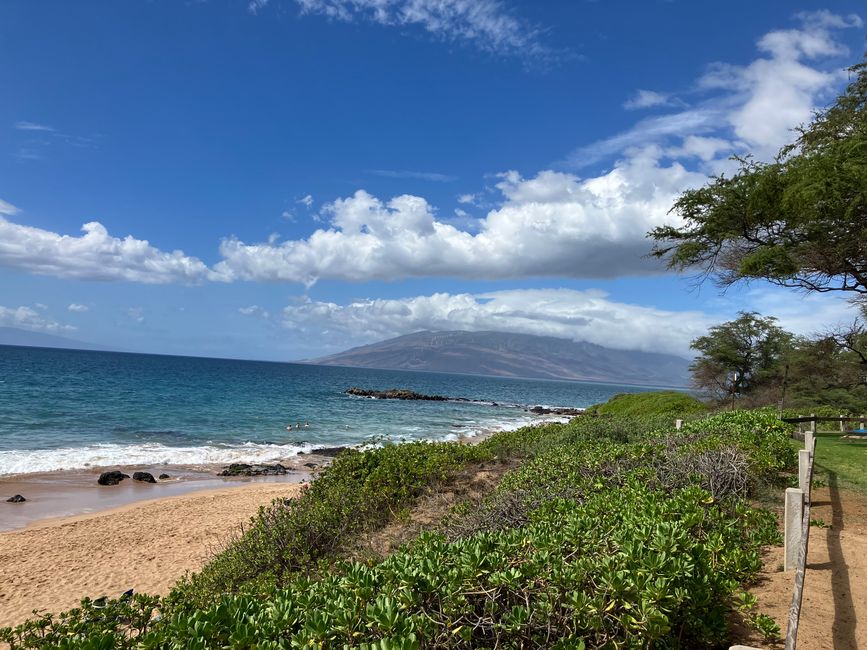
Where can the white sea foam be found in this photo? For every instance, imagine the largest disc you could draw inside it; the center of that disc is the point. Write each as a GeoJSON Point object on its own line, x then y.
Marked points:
{"type": "Point", "coordinates": [21, 461]}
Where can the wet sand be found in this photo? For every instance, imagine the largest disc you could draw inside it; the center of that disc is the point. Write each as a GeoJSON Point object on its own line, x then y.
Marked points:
{"type": "Point", "coordinates": [66, 493]}
{"type": "Point", "coordinates": [146, 545]}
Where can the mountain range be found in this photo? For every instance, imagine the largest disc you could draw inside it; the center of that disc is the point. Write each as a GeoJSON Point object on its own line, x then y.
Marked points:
{"type": "Point", "coordinates": [29, 338]}
{"type": "Point", "coordinates": [515, 355]}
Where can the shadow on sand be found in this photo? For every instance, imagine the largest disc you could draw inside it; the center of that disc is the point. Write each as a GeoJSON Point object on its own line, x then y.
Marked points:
{"type": "Point", "coordinates": [843, 629]}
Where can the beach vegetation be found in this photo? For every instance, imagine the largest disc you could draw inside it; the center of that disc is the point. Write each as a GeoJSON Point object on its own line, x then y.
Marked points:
{"type": "Point", "coordinates": [662, 403]}
{"type": "Point", "coordinates": [608, 532]}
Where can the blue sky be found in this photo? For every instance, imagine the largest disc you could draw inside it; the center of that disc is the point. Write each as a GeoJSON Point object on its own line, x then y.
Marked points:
{"type": "Point", "coordinates": [281, 179]}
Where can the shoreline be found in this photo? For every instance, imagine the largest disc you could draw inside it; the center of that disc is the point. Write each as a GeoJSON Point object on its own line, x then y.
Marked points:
{"type": "Point", "coordinates": [72, 492]}
{"type": "Point", "coordinates": [65, 494]}
{"type": "Point", "coordinates": [144, 545]}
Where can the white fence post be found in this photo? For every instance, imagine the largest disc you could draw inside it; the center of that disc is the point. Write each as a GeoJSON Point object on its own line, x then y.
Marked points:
{"type": "Point", "coordinates": [678, 424]}
{"type": "Point", "coordinates": [804, 469]}
{"type": "Point", "coordinates": [794, 516]}
{"type": "Point", "coordinates": [842, 423]}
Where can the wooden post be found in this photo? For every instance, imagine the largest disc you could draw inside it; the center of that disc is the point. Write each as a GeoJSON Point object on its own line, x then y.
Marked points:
{"type": "Point", "coordinates": [804, 469]}
{"type": "Point", "coordinates": [800, 424]}
{"type": "Point", "coordinates": [678, 424]}
{"type": "Point", "coordinates": [794, 514]}
{"type": "Point", "coordinates": [842, 423]}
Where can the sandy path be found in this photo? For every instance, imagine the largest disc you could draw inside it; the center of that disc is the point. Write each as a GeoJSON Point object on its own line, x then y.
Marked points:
{"type": "Point", "coordinates": [834, 608]}
{"type": "Point", "coordinates": [146, 546]}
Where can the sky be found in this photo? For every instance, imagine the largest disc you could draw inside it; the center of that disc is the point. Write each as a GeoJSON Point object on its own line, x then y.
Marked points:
{"type": "Point", "coordinates": [284, 179]}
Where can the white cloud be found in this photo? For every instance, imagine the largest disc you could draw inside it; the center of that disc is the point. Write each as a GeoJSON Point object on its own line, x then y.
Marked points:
{"type": "Point", "coordinates": [136, 314]}
{"type": "Point", "coordinates": [563, 313]}
{"type": "Point", "coordinates": [255, 6]}
{"type": "Point", "coordinates": [553, 224]}
{"type": "Point", "coordinates": [486, 24]}
{"type": "Point", "coordinates": [77, 307]}
{"type": "Point", "coordinates": [33, 126]}
{"type": "Point", "coordinates": [647, 99]}
{"type": "Point", "coordinates": [29, 319]}
{"type": "Point", "coordinates": [306, 201]}
{"type": "Point", "coordinates": [705, 149]}
{"type": "Point", "coordinates": [423, 176]}
{"type": "Point", "coordinates": [8, 208]}
{"type": "Point", "coordinates": [756, 105]}
{"type": "Point", "coordinates": [468, 199]}
{"type": "Point", "coordinates": [254, 310]}
{"type": "Point", "coordinates": [96, 255]}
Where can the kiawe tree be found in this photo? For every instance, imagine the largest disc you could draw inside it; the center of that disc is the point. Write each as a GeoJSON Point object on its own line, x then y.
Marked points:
{"type": "Point", "coordinates": [739, 356]}
{"type": "Point", "coordinates": [799, 221]}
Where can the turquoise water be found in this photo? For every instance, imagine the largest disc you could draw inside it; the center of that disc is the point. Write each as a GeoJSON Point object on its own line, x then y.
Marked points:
{"type": "Point", "coordinates": [70, 409]}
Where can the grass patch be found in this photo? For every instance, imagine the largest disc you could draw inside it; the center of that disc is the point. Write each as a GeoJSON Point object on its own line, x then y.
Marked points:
{"type": "Point", "coordinates": [669, 402]}
{"type": "Point", "coordinates": [845, 458]}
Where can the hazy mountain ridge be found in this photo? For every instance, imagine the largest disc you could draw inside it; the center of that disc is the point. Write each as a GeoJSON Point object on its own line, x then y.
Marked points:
{"type": "Point", "coordinates": [514, 355]}
{"type": "Point", "coordinates": [32, 339]}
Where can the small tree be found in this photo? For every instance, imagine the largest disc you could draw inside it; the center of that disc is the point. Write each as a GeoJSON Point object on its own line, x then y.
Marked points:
{"type": "Point", "coordinates": [739, 356]}
{"type": "Point", "coordinates": [800, 221]}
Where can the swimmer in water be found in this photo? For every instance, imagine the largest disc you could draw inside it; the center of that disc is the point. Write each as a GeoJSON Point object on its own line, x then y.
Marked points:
{"type": "Point", "coordinates": [289, 428]}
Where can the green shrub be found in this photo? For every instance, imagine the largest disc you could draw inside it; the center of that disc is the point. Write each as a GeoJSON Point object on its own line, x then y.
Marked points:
{"type": "Point", "coordinates": [669, 402]}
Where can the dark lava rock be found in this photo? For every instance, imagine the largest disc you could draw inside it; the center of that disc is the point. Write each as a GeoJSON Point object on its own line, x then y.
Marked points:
{"type": "Point", "coordinates": [541, 410]}
{"type": "Point", "coordinates": [395, 393]}
{"type": "Point", "coordinates": [111, 478]}
{"type": "Point", "coordinates": [164, 477]}
{"type": "Point", "coordinates": [243, 469]}
{"type": "Point", "coordinates": [311, 465]}
{"type": "Point", "coordinates": [16, 499]}
{"type": "Point", "coordinates": [144, 477]}
{"type": "Point", "coordinates": [331, 452]}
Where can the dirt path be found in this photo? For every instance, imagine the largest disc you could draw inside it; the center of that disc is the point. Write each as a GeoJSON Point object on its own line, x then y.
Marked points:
{"type": "Point", "coordinates": [834, 609]}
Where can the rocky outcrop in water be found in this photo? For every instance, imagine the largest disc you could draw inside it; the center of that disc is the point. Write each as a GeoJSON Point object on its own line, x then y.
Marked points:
{"type": "Point", "coordinates": [16, 499]}
{"type": "Point", "coordinates": [556, 410]}
{"type": "Point", "coordinates": [163, 477]}
{"type": "Point", "coordinates": [144, 477]}
{"type": "Point", "coordinates": [111, 478]}
{"type": "Point", "coordinates": [245, 469]}
{"type": "Point", "coordinates": [330, 452]}
{"type": "Point", "coordinates": [397, 393]}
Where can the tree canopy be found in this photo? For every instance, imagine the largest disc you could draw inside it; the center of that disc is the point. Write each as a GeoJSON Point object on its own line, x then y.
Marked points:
{"type": "Point", "coordinates": [799, 221]}
{"type": "Point", "coordinates": [737, 356]}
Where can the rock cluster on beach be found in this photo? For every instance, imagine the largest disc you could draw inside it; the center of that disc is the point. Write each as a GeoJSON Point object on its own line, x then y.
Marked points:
{"type": "Point", "coordinates": [111, 478]}
{"type": "Point", "coordinates": [16, 499]}
{"type": "Point", "coordinates": [245, 469]}
{"type": "Point", "coordinates": [114, 477]}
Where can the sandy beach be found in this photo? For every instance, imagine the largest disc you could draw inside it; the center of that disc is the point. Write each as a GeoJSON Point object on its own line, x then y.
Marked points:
{"type": "Point", "coordinates": [145, 545]}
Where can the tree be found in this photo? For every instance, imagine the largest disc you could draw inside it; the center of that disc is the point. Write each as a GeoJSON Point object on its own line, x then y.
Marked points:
{"type": "Point", "coordinates": [739, 356]}
{"type": "Point", "coordinates": [800, 221]}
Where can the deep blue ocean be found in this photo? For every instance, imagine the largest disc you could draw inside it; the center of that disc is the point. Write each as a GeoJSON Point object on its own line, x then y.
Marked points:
{"type": "Point", "coordinates": [70, 409]}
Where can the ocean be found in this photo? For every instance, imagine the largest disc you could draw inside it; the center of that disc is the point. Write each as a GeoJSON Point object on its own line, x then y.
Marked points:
{"type": "Point", "coordinates": [72, 409]}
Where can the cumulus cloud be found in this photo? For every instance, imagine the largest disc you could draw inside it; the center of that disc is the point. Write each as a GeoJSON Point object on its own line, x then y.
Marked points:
{"type": "Point", "coordinates": [77, 307]}
{"type": "Point", "coordinates": [30, 319]}
{"type": "Point", "coordinates": [756, 105]}
{"type": "Point", "coordinates": [563, 313]}
{"type": "Point", "coordinates": [553, 224]}
{"type": "Point", "coordinates": [488, 25]}
{"type": "Point", "coordinates": [95, 255]}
